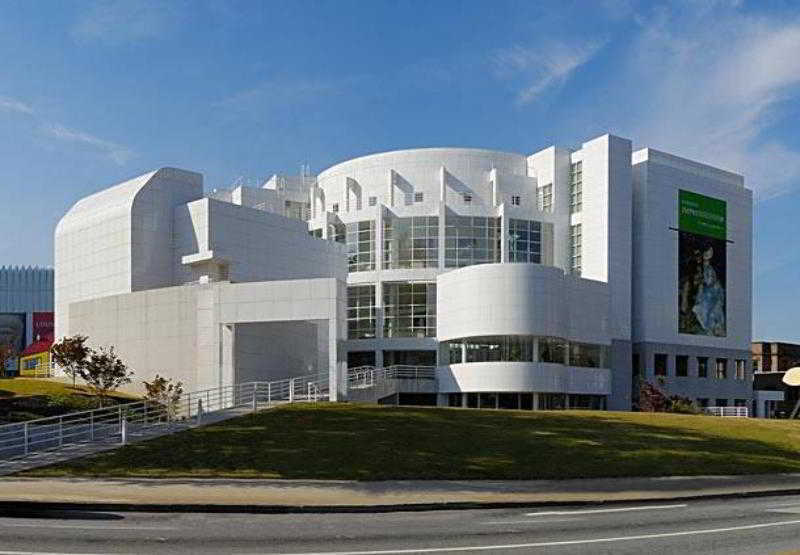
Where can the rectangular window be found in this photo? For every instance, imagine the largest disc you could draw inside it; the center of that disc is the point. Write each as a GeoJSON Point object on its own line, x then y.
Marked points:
{"type": "Point", "coordinates": [588, 355]}
{"type": "Point", "coordinates": [575, 187]}
{"type": "Point", "coordinates": [755, 365]}
{"type": "Point", "coordinates": [721, 403]}
{"type": "Point", "coordinates": [576, 248]}
{"type": "Point", "coordinates": [335, 207]}
{"type": "Point", "coordinates": [410, 242]}
{"type": "Point", "coordinates": [373, 201]}
{"type": "Point", "coordinates": [471, 240]}
{"type": "Point", "coordinates": [361, 312]}
{"type": "Point", "coordinates": [681, 366]}
{"type": "Point", "coordinates": [418, 197]}
{"type": "Point", "coordinates": [702, 402]}
{"type": "Point", "coordinates": [467, 198]}
{"type": "Point", "coordinates": [409, 309]}
{"type": "Point", "coordinates": [721, 368]}
{"type": "Point", "coordinates": [552, 349]}
{"type": "Point", "coordinates": [702, 367]}
{"type": "Point", "coordinates": [360, 241]}
{"type": "Point", "coordinates": [515, 200]}
{"type": "Point", "coordinates": [740, 369]}
{"type": "Point", "coordinates": [524, 241]}
{"type": "Point", "coordinates": [660, 364]}
{"type": "Point", "coordinates": [544, 198]}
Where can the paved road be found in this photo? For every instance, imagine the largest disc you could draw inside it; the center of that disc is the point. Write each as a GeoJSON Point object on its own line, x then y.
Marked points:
{"type": "Point", "coordinates": [763, 525]}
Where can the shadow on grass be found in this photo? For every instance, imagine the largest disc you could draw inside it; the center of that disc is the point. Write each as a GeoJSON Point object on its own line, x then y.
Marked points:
{"type": "Point", "coordinates": [334, 442]}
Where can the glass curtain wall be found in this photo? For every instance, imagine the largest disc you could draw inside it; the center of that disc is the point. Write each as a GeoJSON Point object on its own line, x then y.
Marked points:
{"type": "Point", "coordinates": [409, 309]}
{"type": "Point", "coordinates": [471, 240]}
{"type": "Point", "coordinates": [524, 241]}
{"type": "Point", "coordinates": [361, 312]}
{"type": "Point", "coordinates": [360, 241]}
{"type": "Point", "coordinates": [520, 348]}
{"type": "Point", "coordinates": [410, 242]}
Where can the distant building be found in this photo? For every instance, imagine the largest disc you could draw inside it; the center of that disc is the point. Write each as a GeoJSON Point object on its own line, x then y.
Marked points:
{"type": "Point", "coordinates": [26, 308]}
{"type": "Point", "coordinates": [771, 360]}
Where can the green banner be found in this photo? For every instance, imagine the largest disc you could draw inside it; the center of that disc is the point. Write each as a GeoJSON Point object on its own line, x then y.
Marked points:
{"type": "Point", "coordinates": [702, 215]}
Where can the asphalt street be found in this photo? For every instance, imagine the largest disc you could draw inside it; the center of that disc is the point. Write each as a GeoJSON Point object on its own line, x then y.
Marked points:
{"type": "Point", "coordinates": [756, 525]}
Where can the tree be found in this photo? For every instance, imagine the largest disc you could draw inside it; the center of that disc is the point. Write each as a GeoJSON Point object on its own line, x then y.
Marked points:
{"type": "Point", "coordinates": [71, 354]}
{"type": "Point", "coordinates": [651, 398]}
{"type": "Point", "coordinates": [7, 354]}
{"type": "Point", "coordinates": [164, 393]}
{"type": "Point", "coordinates": [104, 372]}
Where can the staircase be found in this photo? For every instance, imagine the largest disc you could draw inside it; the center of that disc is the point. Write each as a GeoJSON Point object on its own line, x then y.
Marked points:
{"type": "Point", "coordinates": [367, 384]}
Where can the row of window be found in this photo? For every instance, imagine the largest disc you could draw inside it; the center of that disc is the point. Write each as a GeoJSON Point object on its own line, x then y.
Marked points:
{"type": "Point", "coordinates": [410, 199]}
{"type": "Point", "coordinates": [526, 401]}
{"type": "Point", "coordinates": [661, 365]}
{"type": "Point", "coordinates": [412, 243]}
{"type": "Point", "coordinates": [527, 348]}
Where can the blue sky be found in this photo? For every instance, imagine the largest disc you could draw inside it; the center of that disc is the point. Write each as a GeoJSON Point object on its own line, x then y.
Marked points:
{"type": "Point", "coordinates": [92, 93]}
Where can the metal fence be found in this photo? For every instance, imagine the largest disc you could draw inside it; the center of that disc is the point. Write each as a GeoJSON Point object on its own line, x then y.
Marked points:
{"type": "Point", "coordinates": [368, 376]}
{"type": "Point", "coordinates": [116, 422]}
{"type": "Point", "coordinates": [740, 412]}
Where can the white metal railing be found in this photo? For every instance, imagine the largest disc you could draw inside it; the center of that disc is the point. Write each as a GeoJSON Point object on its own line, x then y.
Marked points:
{"type": "Point", "coordinates": [368, 376]}
{"type": "Point", "coordinates": [40, 371]}
{"type": "Point", "coordinates": [22, 438]}
{"type": "Point", "coordinates": [741, 412]}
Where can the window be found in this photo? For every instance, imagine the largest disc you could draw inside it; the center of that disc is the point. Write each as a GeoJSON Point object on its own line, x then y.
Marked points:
{"type": "Point", "coordinates": [681, 366]}
{"type": "Point", "coordinates": [575, 187]}
{"type": "Point", "coordinates": [702, 402]}
{"type": "Point", "coordinates": [471, 241]}
{"type": "Point", "coordinates": [297, 210]}
{"type": "Point", "coordinates": [418, 197]}
{"type": "Point", "coordinates": [373, 201]}
{"type": "Point", "coordinates": [361, 311]}
{"type": "Point", "coordinates": [335, 207]}
{"type": "Point", "coordinates": [31, 364]}
{"type": "Point", "coordinates": [409, 309]}
{"type": "Point", "coordinates": [588, 355]}
{"type": "Point", "coordinates": [740, 402]}
{"type": "Point", "coordinates": [552, 349]}
{"type": "Point", "coordinates": [544, 198]}
{"type": "Point", "coordinates": [755, 365]}
{"type": "Point", "coordinates": [524, 241]}
{"type": "Point", "coordinates": [722, 403]}
{"type": "Point", "coordinates": [316, 233]}
{"type": "Point", "coordinates": [740, 369]}
{"type": "Point", "coordinates": [702, 367]}
{"type": "Point", "coordinates": [576, 247]}
{"type": "Point", "coordinates": [515, 200]}
{"type": "Point", "coordinates": [356, 359]}
{"type": "Point", "coordinates": [467, 198]}
{"type": "Point", "coordinates": [337, 232]}
{"type": "Point", "coordinates": [360, 240]}
{"type": "Point", "coordinates": [411, 242]}
{"type": "Point", "coordinates": [660, 364]}
{"type": "Point", "coordinates": [721, 369]}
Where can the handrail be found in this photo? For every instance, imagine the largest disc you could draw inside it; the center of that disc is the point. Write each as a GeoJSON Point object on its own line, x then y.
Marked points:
{"type": "Point", "coordinates": [21, 438]}
{"type": "Point", "coordinates": [739, 412]}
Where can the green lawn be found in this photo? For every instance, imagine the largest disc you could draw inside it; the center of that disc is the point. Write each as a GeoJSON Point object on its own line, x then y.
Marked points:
{"type": "Point", "coordinates": [367, 442]}
{"type": "Point", "coordinates": [13, 387]}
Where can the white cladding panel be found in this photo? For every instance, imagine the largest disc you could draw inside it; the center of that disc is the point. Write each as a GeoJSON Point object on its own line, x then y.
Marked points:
{"type": "Point", "coordinates": [521, 299]}
{"type": "Point", "coordinates": [659, 177]}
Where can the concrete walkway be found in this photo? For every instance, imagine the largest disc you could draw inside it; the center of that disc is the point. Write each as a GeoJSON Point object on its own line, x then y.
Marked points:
{"type": "Point", "coordinates": [135, 434]}
{"type": "Point", "coordinates": [298, 495]}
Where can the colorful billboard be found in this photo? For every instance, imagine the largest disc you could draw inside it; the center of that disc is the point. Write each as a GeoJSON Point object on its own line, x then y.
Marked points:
{"type": "Point", "coordinates": [42, 326]}
{"type": "Point", "coordinates": [702, 265]}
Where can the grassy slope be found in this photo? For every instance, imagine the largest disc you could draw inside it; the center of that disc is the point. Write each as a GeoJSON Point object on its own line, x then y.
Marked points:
{"type": "Point", "coordinates": [16, 387]}
{"type": "Point", "coordinates": [374, 443]}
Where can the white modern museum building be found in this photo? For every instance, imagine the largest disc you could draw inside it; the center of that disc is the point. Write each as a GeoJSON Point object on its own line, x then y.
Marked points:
{"type": "Point", "coordinates": [554, 280]}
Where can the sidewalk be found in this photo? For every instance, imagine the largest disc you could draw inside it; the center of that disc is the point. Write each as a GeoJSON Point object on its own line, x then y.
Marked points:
{"type": "Point", "coordinates": [197, 495]}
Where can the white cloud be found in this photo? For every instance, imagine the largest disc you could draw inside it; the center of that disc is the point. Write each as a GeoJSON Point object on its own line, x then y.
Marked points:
{"type": "Point", "coordinates": [118, 153]}
{"type": "Point", "coordinates": [712, 86]}
{"type": "Point", "coordinates": [539, 69]}
{"type": "Point", "coordinates": [118, 21]}
{"type": "Point", "coordinates": [13, 105]}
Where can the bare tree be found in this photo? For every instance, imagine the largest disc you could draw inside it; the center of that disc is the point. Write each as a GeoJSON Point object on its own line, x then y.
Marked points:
{"type": "Point", "coordinates": [164, 393]}
{"type": "Point", "coordinates": [105, 372]}
{"type": "Point", "coordinates": [71, 354]}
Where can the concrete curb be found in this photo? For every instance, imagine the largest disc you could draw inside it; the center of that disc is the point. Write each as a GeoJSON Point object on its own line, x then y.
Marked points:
{"type": "Point", "coordinates": [36, 507]}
